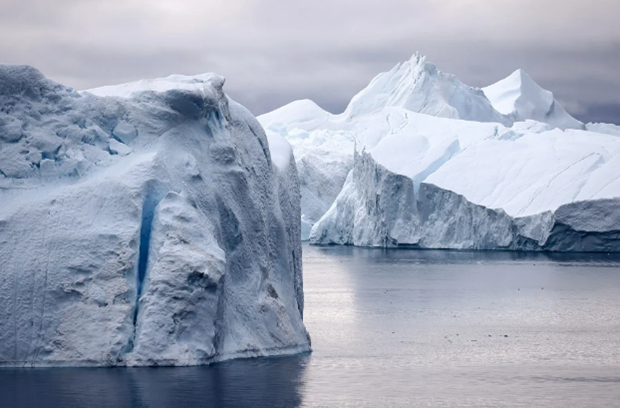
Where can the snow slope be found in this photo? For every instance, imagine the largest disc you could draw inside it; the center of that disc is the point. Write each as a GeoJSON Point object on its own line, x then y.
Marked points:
{"type": "Point", "coordinates": [520, 98]}
{"type": "Point", "coordinates": [156, 225]}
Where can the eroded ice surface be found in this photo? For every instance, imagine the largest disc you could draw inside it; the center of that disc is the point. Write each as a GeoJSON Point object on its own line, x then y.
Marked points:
{"type": "Point", "coordinates": [152, 225]}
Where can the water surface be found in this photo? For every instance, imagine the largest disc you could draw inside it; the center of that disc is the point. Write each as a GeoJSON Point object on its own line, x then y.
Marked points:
{"type": "Point", "coordinates": [400, 328]}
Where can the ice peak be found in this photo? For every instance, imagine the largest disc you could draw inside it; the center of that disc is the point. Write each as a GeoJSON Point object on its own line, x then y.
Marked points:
{"type": "Point", "coordinates": [521, 74]}
{"type": "Point", "coordinates": [524, 81]}
{"type": "Point", "coordinates": [417, 85]}
{"type": "Point", "coordinates": [417, 59]}
{"type": "Point", "coordinates": [520, 97]}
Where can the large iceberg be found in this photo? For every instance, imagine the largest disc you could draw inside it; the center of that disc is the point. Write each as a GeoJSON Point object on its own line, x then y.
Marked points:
{"type": "Point", "coordinates": [438, 164]}
{"type": "Point", "coordinates": [440, 183]}
{"type": "Point", "coordinates": [152, 223]}
{"type": "Point", "coordinates": [323, 143]}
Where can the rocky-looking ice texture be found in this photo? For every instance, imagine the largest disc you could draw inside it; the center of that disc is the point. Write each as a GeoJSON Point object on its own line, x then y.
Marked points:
{"type": "Point", "coordinates": [146, 224]}
{"type": "Point", "coordinates": [436, 164]}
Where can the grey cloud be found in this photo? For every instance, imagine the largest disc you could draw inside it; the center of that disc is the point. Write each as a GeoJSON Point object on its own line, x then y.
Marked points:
{"type": "Point", "coordinates": [276, 51]}
{"type": "Point", "coordinates": [605, 113]}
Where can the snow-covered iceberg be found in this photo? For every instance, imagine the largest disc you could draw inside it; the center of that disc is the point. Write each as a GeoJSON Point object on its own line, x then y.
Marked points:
{"type": "Point", "coordinates": [152, 223]}
{"type": "Point", "coordinates": [439, 164]}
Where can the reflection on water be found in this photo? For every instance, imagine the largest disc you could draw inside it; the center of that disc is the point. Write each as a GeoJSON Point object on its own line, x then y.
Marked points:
{"type": "Point", "coordinates": [271, 382]}
{"type": "Point", "coordinates": [400, 328]}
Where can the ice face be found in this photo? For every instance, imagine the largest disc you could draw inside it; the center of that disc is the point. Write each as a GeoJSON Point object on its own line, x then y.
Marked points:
{"type": "Point", "coordinates": [151, 227]}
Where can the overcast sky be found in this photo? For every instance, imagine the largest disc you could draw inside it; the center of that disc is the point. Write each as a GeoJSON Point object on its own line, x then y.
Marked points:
{"type": "Point", "coordinates": [275, 51]}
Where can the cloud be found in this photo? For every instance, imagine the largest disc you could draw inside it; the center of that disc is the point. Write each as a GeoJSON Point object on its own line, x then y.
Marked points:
{"type": "Point", "coordinates": [275, 51]}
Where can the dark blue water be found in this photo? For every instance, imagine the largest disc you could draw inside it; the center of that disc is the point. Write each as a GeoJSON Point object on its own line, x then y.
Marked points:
{"type": "Point", "coordinates": [399, 329]}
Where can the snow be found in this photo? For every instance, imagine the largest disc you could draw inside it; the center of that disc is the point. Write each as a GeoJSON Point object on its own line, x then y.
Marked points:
{"type": "Point", "coordinates": [152, 226]}
{"type": "Point", "coordinates": [535, 173]}
{"type": "Point", "coordinates": [520, 98]}
{"type": "Point", "coordinates": [281, 152]}
{"type": "Point", "coordinates": [303, 114]}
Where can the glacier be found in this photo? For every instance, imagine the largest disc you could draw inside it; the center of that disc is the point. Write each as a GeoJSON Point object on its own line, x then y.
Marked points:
{"type": "Point", "coordinates": [434, 163]}
{"type": "Point", "coordinates": [152, 223]}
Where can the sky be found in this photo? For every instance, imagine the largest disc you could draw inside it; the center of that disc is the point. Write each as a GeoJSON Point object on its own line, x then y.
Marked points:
{"type": "Point", "coordinates": [275, 51]}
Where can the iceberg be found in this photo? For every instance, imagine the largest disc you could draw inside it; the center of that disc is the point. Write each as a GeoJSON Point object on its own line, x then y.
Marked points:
{"type": "Point", "coordinates": [418, 86]}
{"type": "Point", "coordinates": [323, 143]}
{"type": "Point", "coordinates": [605, 128]}
{"type": "Point", "coordinates": [440, 183]}
{"type": "Point", "coordinates": [435, 163]}
{"type": "Point", "coordinates": [152, 223]}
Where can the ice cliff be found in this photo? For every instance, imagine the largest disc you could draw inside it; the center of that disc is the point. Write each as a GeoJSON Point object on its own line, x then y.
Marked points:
{"type": "Point", "coordinates": [438, 164]}
{"type": "Point", "coordinates": [152, 223]}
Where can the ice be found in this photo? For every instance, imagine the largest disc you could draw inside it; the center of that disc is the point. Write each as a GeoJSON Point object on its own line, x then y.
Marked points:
{"type": "Point", "coordinates": [117, 147]}
{"type": "Point", "coordinates": [520, 98]}
{"type": "Point", "coordinates": [418, 86]}
{"type": "Point", "coordinates": [605, 128]}
{"type": "Point", "coordinates": [152, 226]}
{"type": "Point", "coordinates": [323, 158]}
{"type": "Point", "coordinates": [435, 164]}
{"type": "Point", "coordinates": [125, 132]}
{"type": "Point", "coordinates": [323, 143]}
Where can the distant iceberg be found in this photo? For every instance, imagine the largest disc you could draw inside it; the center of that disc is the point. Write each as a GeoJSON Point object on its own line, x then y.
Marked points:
{"type": "Point", "coordinates": [435, 163]}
